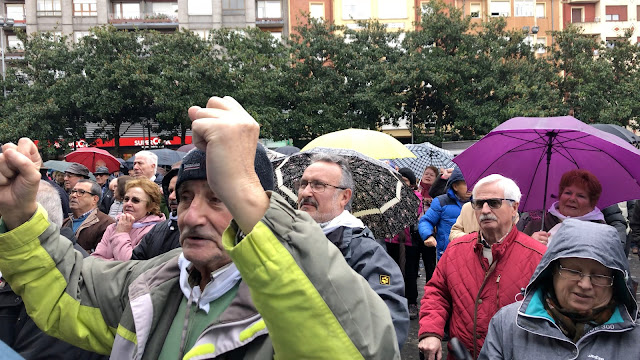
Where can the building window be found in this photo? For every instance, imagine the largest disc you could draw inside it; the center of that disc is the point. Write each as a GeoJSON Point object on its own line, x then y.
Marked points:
{"type": "Point", "coordinates": [475, 10]}
{"type": "Point", "coordinates": [199, 7]}
{"type": "Point", "coordinates": [541, 10]}
{"type": "Point", "coordinates": [14, 43]}
{"type": "Point", "coordinates": [542, 43]}
{"type": "Point", "coordinates": [165, 8]}
{"type": "Point", "coordinates": [500, 8]}
{"type": "Point", "coordinates": [232, 4]}
{"type": "Point", "coordinates": [204, 34]}
{"type": "Point", "coordinates": [77, 35]}
{"type": "Point", "coordinates": [356, 9]}
{"type": "Point", "coordinates": [316, 11]}
{"type": "Point", "coordinates": [15, 12]}
{"type": "Point", "coordinates": [48, 8]}
{"type": "Point", "coordinates": [126, 10]}
{"type": "Point", "coordinates": [576, 15]}
{"type": "Point", "coordinates": [85, 8]}
{"type": "Point", "coordinates": [389, 9]}
{"type": "Point", "coordinates": [523, 7]}
{"type": "Point", "coordinates": [269, 10]}
{"type": "Point", "coordinates": [425, 9]}
{"type": "Point", "coordinates": [616, 13]}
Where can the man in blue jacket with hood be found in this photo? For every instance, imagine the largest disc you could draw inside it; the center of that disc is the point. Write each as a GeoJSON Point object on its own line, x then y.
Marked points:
{"type": "Point", "coordinates": [436, 223]}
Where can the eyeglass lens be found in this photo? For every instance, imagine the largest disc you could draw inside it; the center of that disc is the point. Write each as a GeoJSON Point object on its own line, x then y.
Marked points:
{"type": "Point", "coordinates": [134, 200]}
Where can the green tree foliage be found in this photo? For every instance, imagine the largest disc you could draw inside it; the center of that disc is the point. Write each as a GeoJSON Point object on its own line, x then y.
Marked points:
{"type": "Point", "coordinates": [452, 77]}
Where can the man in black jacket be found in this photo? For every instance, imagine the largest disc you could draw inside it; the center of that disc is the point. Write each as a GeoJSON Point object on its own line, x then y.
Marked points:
{"type": "Point", "coordinates": [164, 236]}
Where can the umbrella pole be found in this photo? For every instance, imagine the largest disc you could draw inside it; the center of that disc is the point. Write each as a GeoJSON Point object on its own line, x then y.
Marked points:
{"type": "Point", "coordinates": [550, 136]}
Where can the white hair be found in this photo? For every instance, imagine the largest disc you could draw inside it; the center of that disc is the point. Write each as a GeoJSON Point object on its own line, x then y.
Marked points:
{"type": "Point", "coordinates": [510, 188]}
{"type": "Point", "coordinates": [149, 155]}
{"type": "Point", "coordinates": [50, 200]}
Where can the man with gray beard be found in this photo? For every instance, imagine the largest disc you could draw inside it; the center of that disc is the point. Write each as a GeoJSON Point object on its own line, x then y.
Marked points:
{"type": "Point", "coordinates": [480, 272]}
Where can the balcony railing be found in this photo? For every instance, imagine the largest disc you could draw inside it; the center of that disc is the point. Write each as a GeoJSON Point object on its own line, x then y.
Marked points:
{"type": "Point", "coordinates": [266, 22]}
{"type": "Point", "coordinates": [142, 18]}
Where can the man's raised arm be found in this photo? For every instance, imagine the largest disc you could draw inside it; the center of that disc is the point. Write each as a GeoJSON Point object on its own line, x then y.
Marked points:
{"type": "Point", "coordinates": [19, 181]}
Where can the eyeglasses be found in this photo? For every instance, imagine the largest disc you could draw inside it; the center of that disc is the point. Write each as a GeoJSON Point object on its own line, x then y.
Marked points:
{"type": "Point", "coordinates": [316, 186]}
{"type": "Point", "coordinates": [134, 199]}
{"type": "Point", "coordinates": [575, 275]}
{"type": "Point", "coordinates": [493, 203]}
{"type": "Point", "coordinates": [80, 192]}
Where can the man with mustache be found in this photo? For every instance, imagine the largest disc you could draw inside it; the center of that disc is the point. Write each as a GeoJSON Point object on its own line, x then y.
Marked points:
{"type": "Point", "coordinates": [480, 272]}
{"type": "Point", "coordinates": [325, 192]}
{"type": "Point", "coordinates": [165, 236]}
{"type": "Point", "coordinates": [87, 221]}
{"type": "Point", "coordinates": [287, 294]}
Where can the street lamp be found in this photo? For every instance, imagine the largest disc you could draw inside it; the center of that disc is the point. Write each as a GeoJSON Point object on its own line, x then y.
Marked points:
{"type": "Point", "coordinates": [4, 23]}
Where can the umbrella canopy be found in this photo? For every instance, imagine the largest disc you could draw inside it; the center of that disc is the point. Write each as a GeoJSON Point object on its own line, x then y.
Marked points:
{"type": "Point", "coordinates": [620, 132]}
{"type": "Point", "coordinates": [166, 157]}
{"type": "Point", "coordinates": [288, 150]}
{"type": "Point", "coordinates": [56, 165]}
{"type": "Point", "coordinates": [375, 144]}
{"type": "Point", "coordinates": [381, 200]}
{"type": "Point", "coordinates": [274, 155]}
{"type": "Point", "coordinates": [535, 152]}
{"type": "Point", "coordinates": [186, 148]}
{"type": "Point", "coordinates": [426, 155]}
{"type": "Point", "coordinates": [92, 157]}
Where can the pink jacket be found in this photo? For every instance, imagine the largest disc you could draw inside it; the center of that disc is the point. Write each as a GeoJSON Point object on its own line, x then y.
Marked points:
{"type": "Point", "coordinates": [407, 230]}
{"type": "Point", "coordinates": [119, 246]}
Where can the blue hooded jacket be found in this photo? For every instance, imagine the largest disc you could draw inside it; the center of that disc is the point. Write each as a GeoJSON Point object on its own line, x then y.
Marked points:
{"type": "Point", "coordinates": [442, 214]}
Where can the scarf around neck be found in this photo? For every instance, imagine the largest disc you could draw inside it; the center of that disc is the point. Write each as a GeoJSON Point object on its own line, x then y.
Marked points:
{"type": "Point", "coordinates": [573, 324]}
{"type": "Point", "coordinates": [593, 215]}
{"type": "Point", "coordinates": [345, 219]}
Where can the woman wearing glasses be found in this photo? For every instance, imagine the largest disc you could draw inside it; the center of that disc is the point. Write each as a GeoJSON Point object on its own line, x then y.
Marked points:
{"type": "Point", "coordinates": [578, 304]}
{"type": "Point", "coordinates": [141, 212]}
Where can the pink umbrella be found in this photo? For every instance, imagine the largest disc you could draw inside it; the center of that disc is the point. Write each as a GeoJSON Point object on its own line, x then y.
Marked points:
{"type": "Point", "coordinates": [535, 152]}
{"type": "Point", "coordinates": [92, 157]}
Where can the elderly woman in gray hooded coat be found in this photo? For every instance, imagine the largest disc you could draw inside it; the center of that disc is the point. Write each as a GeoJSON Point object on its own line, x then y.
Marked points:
{"type": "Point", "coordinates": [578, 304]}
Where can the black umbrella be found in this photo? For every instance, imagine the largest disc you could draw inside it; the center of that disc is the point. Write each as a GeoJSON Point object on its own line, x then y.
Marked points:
{"type": "Point", "coordinates": [620, 132]}
{"type": "Point", "coordinates": [381, 200]}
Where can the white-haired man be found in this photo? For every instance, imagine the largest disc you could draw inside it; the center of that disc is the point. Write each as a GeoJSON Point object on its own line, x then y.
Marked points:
{"type": "Point", "coordinates": [145, 165]}
{"type": "Point", "coordinates": [480, 272]}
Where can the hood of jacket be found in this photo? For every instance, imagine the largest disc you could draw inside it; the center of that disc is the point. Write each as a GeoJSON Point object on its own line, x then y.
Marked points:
{"type": "Point", "coordinates": [456, 175]}
{"type": "Point", "coordinates": [588, 240]}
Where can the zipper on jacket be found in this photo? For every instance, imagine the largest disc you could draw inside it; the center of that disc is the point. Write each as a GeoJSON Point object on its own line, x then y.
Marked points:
{"type": "Point", "coordinates": [475, 310]}
{"type": "Point", "coordinates": [498, 292]}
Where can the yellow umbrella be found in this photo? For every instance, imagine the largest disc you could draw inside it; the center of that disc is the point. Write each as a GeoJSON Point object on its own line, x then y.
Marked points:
{"type": "Point", "coordinates": [375, 144]}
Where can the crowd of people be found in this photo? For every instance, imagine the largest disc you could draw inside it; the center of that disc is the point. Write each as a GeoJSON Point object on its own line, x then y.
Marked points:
{"type": "Point", "coordinates": [206, 261]}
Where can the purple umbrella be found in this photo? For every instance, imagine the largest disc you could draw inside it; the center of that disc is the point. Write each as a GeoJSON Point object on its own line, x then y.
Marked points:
{"type": "Point", "coordinates": [535, 152]}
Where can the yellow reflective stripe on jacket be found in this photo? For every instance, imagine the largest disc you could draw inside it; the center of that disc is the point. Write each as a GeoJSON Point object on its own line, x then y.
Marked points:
{"type": "Point", "coordinates": [126, 334]}
{"type": "Point", "coordinates": [278, 283]}
{"type": "Point", "coordinates": [200, 350]}
{"type": "Point", "coordinates": [46, 283]}
{"type": "Point", "coordinates": [252, 330]}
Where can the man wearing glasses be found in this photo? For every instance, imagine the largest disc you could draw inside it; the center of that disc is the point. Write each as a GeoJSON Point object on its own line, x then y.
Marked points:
{"type": "Point", "coordinates": [480, 272]}
{"type": "Point", "coordinates": [325, 192]}
{"type": "Point", "coordinates": [88, 223]}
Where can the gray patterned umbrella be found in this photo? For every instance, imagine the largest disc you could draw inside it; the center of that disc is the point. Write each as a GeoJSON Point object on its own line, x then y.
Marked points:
{"type": "Point", "coordinates": [426, 155]}
{"type": "Point", "coordinates": [381, 200]}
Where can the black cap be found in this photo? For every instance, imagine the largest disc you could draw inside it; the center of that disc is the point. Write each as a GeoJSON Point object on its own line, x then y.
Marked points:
{"type": "Point", "coordinates": [194, 167]}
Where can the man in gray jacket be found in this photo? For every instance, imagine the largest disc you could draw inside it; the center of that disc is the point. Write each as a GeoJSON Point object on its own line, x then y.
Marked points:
{"type": "Point", "coordinates": [578, 304]}
{"type": "Point", "coordinates": [325, 192]}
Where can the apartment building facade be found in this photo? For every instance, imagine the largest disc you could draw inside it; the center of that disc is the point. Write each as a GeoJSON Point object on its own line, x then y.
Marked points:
{"type": "Point", "coordinates": [603, 19]}
{"type": "Point", "coordinates": [76, 17]}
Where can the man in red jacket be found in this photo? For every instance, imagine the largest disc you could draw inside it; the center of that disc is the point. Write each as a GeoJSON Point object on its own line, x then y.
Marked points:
{"type": "Point", "coordinates": [480, 272]}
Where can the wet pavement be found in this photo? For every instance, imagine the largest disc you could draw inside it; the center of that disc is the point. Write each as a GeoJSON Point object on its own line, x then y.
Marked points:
{"type": "Point", "coordinates": [410, 348]}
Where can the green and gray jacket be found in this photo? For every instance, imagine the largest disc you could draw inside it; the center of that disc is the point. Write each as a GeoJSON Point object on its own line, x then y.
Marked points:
{"type": "Point", "coordinates": [312, 303]}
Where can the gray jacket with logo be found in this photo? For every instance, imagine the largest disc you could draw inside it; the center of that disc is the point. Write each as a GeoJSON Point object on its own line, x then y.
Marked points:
{"type": "Point", "coordinates": [524, 330]}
